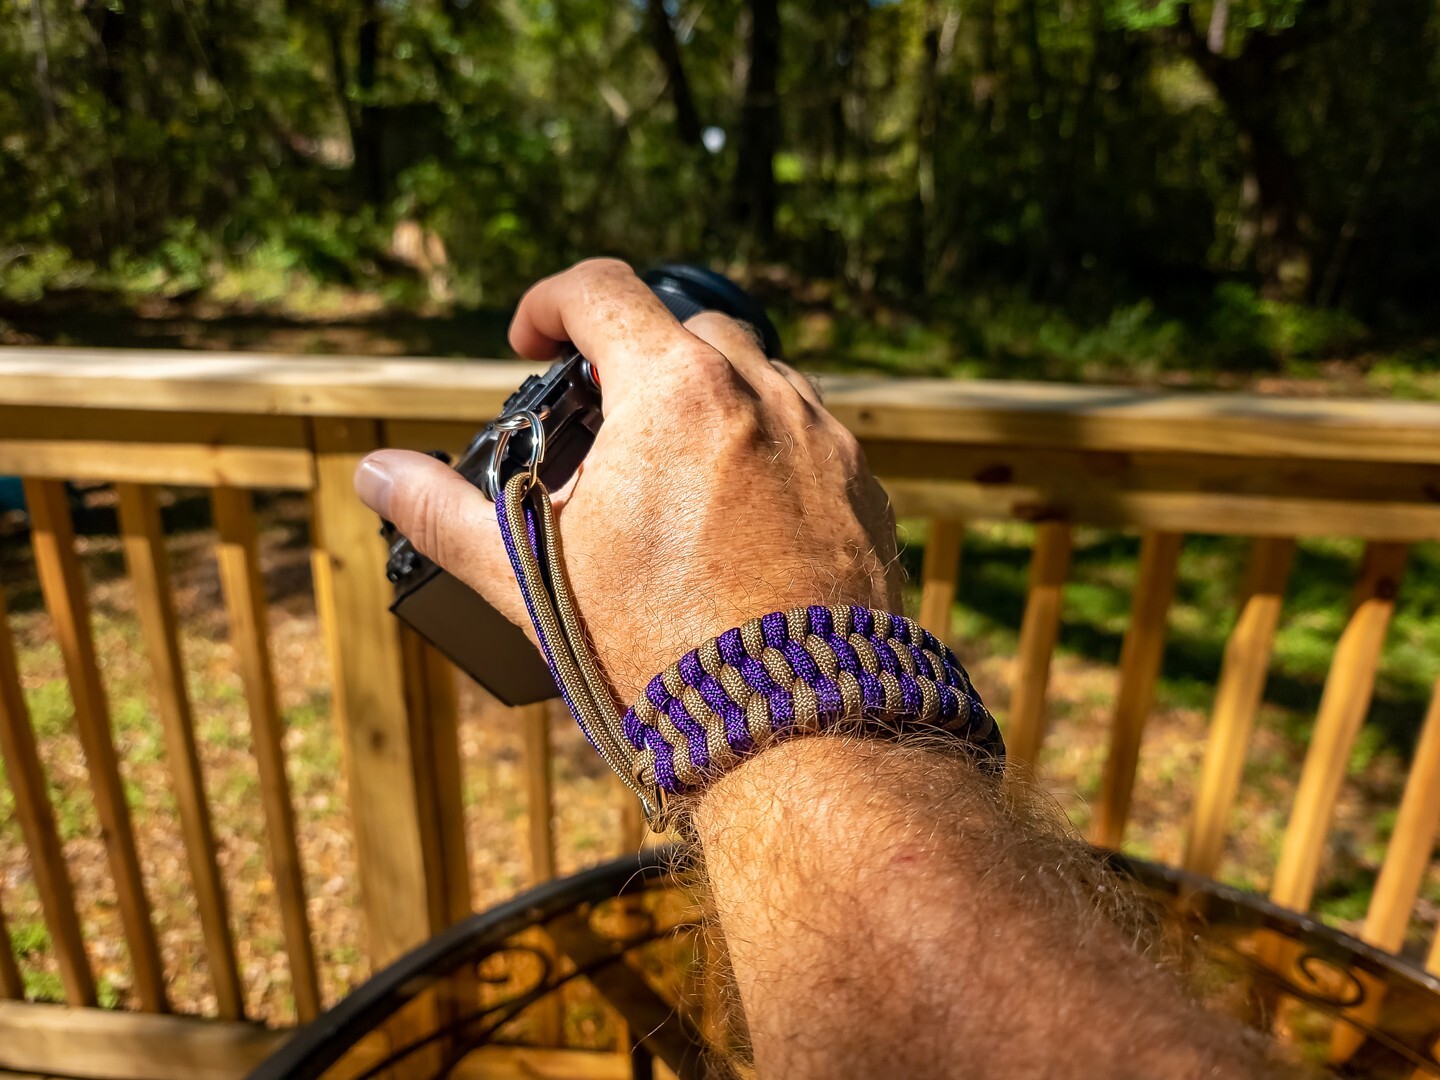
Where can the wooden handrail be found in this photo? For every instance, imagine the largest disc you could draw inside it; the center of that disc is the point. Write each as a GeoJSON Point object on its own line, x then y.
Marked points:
{"type": "Point", "coordinates": [927, 410]}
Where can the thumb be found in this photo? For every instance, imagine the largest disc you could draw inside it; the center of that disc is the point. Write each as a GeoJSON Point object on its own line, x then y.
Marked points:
{"type": "Point", "coordinates": [447, 519]}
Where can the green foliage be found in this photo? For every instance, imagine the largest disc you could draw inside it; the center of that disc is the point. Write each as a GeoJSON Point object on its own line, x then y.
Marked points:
{"type": "Point", "coordinates": [1126, 183]}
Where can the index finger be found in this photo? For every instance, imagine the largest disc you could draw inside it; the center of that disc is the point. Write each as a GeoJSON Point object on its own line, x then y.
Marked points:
{"type": "Point", "coordinates": [612, 317]}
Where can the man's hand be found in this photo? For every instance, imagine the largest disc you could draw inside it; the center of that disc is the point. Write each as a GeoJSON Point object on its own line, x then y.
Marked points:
{"type": "Point", "coordinates": [886, 913]}
{"type": "Point", "coordinates": [719, 488]}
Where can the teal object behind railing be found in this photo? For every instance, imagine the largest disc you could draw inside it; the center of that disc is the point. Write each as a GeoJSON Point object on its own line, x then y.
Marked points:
{"type": "Point", "coordinates": [12, 496]}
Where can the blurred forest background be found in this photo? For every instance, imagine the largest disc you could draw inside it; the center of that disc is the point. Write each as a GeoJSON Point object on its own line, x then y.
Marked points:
{"type": "Point", "coordinates": [1144, 189]}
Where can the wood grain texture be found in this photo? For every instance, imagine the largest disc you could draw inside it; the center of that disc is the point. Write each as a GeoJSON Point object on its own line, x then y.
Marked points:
{"type": "Point", "coordinates": [1237, 701]}
{"type": "Point", "coordinates": [63, 584]}
{"type": "Point", "coordinates": [945, 411]}
{"type": "Point", "coordinates": [1039, 630]}
{"type": "Point", "coordinates": [940, 575]}
{"type": "Point", "coordinates": [1183, 511]}
{"type": "Point", "coordinates": [1343, 705]}
{"type": "Point", "coordinates": [102, 1044]}
{"type": "Point", "coordinates": [155, 447]}
{"type": "Point", "coordinates": [434, 723]}
{"type": "Point", "coordinates": [534, 721]}
{"type": "Point", "coordinates": [237, 553]}
{"type": "Point", "coordinates": [26, 777]}
{"type": "Point", "coordinates": [369, 694]}
{"type": "Point", "coordinates": [148, 563]}
{"type": "Point", "coordinates": [1140, 658]}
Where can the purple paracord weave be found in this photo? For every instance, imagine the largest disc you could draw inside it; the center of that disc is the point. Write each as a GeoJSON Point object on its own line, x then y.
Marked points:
{"type": "Point", "coordinates": [961, 712]}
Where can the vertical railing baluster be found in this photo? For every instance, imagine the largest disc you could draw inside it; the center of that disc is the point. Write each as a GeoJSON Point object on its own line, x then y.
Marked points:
{"type": "Point", "coordinates": [1343, 705]}
{"type": "Point", "coordinates": [37, 823]}
{"type": "Point", "coordinates": [1140, 658]}
{"type": "Point", "coordinates": [61, 580]}
{"type": "Point", "coordinates": [146, 557]}
{"type": "Point", "coordinates": [237, 552]}
{"type": "Point", "coordinates": [434, 723]}
{"type": "Point", "coordinates": [534, 721]}
{"type": "Point", "coordinates": [1237, 701]}
{"type": "Point", "coordinates": [939, 575]}
{"type": "Point", "coordinates": [1039, 631]}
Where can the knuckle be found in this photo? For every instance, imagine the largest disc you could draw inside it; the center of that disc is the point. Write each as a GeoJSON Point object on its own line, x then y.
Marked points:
{"type": "Point", "coordinates": [845, 440]}
{"type": "Point", "coordinates": [602, 268]}
{"type": "Point", "coordinates": [702, 371]}
{"type": "Point", "coordinates": [715, 323]}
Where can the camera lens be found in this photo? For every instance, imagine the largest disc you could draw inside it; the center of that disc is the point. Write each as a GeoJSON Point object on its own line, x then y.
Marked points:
{"type": "Point", "coordinates": [689, 290]}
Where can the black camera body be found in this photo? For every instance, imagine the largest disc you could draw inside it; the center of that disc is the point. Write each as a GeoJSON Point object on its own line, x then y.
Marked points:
{"type": "Point", "coordinates": [566, 401]}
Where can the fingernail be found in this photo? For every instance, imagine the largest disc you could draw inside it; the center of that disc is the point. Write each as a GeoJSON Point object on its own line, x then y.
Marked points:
{"type": "Point", "coordinates": [372, 484]}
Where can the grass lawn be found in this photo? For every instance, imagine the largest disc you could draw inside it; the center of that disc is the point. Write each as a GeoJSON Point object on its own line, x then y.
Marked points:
{"type": "Point", "coordinates": [992, 590]}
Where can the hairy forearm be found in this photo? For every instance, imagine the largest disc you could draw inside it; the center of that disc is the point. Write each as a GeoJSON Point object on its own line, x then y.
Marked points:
{"type": "Point", "coordinates": [885, 914]}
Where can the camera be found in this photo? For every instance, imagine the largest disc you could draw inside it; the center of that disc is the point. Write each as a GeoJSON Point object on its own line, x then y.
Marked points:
{"type": "Point", "coordinates": [565, 402]}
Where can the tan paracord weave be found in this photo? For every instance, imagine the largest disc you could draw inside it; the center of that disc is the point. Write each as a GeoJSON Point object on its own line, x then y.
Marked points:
{"type": "Point", "coordinates": [802, 671]}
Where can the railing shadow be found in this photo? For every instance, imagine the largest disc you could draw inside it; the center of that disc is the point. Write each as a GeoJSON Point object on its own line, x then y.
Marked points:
{"type": "Point", "coordinates": [993, 587]}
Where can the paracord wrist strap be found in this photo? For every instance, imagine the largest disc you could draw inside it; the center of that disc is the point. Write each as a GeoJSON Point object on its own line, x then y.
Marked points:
{"type": "Point", "coordinates": [802, 671]}
{"type": "Point", "coordinates": [794, 672]}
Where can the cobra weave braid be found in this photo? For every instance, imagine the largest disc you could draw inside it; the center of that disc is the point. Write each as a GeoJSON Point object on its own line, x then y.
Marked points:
{"type": "Point", "coordinates": [800, 671]}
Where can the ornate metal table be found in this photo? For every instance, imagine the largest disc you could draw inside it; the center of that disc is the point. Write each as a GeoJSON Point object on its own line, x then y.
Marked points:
{"type": "Point", "coordinates": [628, 929]}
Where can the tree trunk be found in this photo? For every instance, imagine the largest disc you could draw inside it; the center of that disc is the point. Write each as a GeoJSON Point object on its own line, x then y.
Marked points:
{"type": "Point", "coordinates": [926, 122]}
{"type": "Point", "coordinates": [42, 65]}
{"type": "Point", "coordinates": [662, 36]}
{"type": "Point", "coordinates": [109, 28]}
{"type": "Point", "coordinates": [755, 195]}
{"type": "Point", "coordinates": [369, 168]}
{"type": "Point", "coordinates": [1282, 255]}
{"type": "Point", "coordinates": [1219, 25]}
{"type": "Point", "coordinates": [340, 73]}
{"type": "Point", "coordinates": [1246, 84]}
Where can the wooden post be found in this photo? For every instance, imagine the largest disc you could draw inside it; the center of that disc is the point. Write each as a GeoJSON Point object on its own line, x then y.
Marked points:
{"type": "Point", "coordinates": [148, 561]}
{"type": "Point", "coordinates": [1343, 705]}
{"type": "Point", "coordinates": [939, 576]}
{"type": "Point", "coordinates": [1139, 666]}
{"type": "Point", "coordinates": [1040, 629]}
{"type": "Point", "coordinates": [237, 551]}
{"type": "Point", "coordinates": [61, 580]}
{"type": "Point", "coordinates": [1237, 701]}
{"type": "Point", "coordinates": [370, 703]}
{"type": "Point", "coordinates": [37, 822]}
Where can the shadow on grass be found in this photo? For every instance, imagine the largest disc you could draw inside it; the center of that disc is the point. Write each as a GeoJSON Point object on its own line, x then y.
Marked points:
{"type": "Point", "coordinates": [98, 319]}
{"type": "Point", "coordinates": [187, 513]}
{"type": "Point", "coordinates": [993, 587]}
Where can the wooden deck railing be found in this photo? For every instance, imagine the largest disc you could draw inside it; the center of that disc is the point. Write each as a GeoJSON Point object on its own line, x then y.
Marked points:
{"type": "Point", "coordinates": [1164, 464]}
